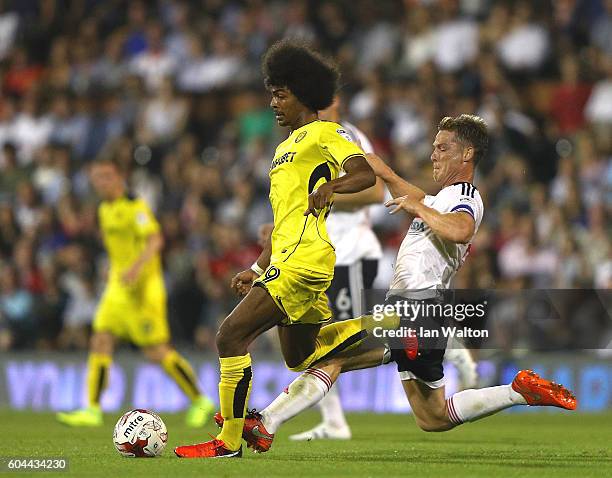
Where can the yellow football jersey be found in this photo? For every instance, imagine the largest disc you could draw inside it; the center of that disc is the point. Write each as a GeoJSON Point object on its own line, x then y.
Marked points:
{"type": "Point", "coordinates": [311, 155]}
{"type": "Point", "coordinates": [125, 224]}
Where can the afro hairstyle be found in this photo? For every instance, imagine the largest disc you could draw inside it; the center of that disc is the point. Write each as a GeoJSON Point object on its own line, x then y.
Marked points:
{"type": "Point", "coordinates": [312, 78]}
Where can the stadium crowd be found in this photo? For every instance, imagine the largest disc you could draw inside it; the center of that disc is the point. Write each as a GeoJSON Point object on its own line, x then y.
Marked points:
{"type": "Point", "coordinates": [172, 90]}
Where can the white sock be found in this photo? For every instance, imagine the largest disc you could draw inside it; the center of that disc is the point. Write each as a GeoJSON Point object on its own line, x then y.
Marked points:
{"type": "Point", "coordinates": [471, 405]}
{"type": "Point", "coordinates": [302, 393]}
{"type": "Point", "coordinates": [462, 359]}
{"type": "Point", "coordinates": [331, 409]}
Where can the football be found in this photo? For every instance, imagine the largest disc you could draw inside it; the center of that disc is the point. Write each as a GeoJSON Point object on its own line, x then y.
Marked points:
{"type": "Point", "coordinates": [140, 434]}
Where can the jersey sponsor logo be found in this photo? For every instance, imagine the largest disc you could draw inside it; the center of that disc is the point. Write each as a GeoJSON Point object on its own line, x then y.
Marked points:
{"type": "Point", "coordinates": [285, 158]}
{"type": "Point", "coordinates": [345, 134]}
{"type": "Point", "coordinates": [417, 227]}
{"type": "Point", "coordinates": [300, 136]}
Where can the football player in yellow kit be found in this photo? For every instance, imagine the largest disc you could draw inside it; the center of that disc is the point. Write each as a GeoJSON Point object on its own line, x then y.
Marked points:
{"type": "Point", "coordinates": [292, 274]}
{"type": "Point", "coordinates": [133, 305]}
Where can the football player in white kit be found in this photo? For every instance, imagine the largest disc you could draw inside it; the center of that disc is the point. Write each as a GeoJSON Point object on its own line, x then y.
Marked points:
{"type": "Point", "coordinates": [434, 248]}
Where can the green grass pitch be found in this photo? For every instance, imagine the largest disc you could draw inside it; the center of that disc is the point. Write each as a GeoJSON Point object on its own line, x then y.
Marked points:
{"type": "Point", "coordinates": [507, 445]}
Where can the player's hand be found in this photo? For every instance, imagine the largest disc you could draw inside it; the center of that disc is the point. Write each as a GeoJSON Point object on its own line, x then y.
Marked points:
{"type": "Point", "coordinates": [243, 281]}
{"type": "Point", "coordinates": [406, 203]}
{"type": "Point", "coordinates": [380, 168]}
{"type": "Point", "coordinates": [319, 199]}
{"type": "Point", "coordinates": [130, 276]}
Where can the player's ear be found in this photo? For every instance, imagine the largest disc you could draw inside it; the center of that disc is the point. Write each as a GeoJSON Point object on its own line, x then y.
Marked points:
{"type": "Point", "coordinates": [468, 154]}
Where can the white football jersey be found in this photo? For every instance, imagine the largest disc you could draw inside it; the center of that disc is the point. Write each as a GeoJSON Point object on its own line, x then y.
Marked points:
{"type": "Point", "coordinates": [351, 232]}
{"type": "Point", "coordinates": [424, 260]}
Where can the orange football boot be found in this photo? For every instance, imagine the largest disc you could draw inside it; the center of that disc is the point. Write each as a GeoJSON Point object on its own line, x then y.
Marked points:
{"type": "Point", "coordinates": [541, 392]}
{"type": "Point", "coordinates": [210, 449]}
{"type": "Point", "coordinates": [254, 432]}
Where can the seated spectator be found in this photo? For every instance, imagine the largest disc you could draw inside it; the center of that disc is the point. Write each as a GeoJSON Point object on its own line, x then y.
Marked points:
{"type": "Point", "coordinates": [16, 307]}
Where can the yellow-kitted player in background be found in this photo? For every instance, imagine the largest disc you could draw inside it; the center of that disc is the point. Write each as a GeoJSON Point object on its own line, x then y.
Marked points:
{"type": "Point", "coordinates": [133, 305]}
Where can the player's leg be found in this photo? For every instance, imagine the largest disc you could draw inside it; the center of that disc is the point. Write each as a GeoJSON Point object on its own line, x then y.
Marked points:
{"type": "Point", "coordinates": [341, 295]}
{"type": "Point", "coordinates": [98, 371]}
{"type": "Point", "coordinates": [434, 413]}
{"type": "Point", "coordinates": [301, 344]}
{"type": "Point", "coordinates": [423, 380]}
{"type": "Point", "coordinates": [179, 369]}
{"type": "Point", "coordinates": [305, 391]}
{"type": "Point", "coordinates": [313, 385]}
{"type": "Point", "coordinates": [345, 300]}
{"type": "Point", "coordinates": [428, 406]}
{"type": "Point", "coordinates": [98, 366]}
{"type": "Point", "coordinates": [255, 314]}
{"type": "Point", "coordinates": [331, 340]}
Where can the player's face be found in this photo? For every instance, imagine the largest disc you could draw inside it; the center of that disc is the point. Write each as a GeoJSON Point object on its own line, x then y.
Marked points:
{"type": "Point", "coordinates": [446, 156]}
{"type": "Point", "coordinates": [287, 108]}
{"type": "Point", "coordinates": [106, 180]}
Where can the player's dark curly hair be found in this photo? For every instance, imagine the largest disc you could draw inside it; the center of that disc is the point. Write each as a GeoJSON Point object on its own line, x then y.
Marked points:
{"type": "Point", "coordinates": [312, 78]}
{"type": "Point", "coordinates": [470, 129]}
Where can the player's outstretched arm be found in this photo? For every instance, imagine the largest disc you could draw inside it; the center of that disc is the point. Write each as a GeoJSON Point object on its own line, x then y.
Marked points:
{"type": "Point", "coordinates": [456, 227]}
{"type": "Point", "coordinates": [359, 176]}
{"type": "Point", "coordinates": [373, 195]}
{"type": "Point", "coordinates": [397, 186]}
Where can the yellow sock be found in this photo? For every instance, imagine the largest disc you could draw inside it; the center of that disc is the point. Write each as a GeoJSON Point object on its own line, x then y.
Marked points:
{"type": "Point", "coordinates": [234, 391]}
{"type": "Point", "coordinates": [98, 368]}
{"type": "Point", "coordinates": [345, 335]}
{"type": "Point", "coordinates": [181, 372]}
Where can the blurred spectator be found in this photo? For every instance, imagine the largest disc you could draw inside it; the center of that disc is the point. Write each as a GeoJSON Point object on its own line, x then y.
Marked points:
{"type": "Point", "coordinates": [601, 32]}
{"type": "Point", "coordinates": [154, 63]}
{"type": "Point", "coordinates": [525, 44]}
{"type": "Point", "coordinates": [50, 310]}
{"type": "Point", "coordinates": [11, 174]}
{"type": "Point", "coordinates": [80, 307]}
{"type": "Point", "coordinates": [31, 128]}
{"type": "Point", "coordinates": [456, 39]}
{"type": "Point", "coordinates": [163, 116]}
{"type": "Point", "coordinates": [21, 75]}
{"type": "Point", "coordinates": [204, 72]}
{"type": "Point", "coordinates": [569, 98]}
{"type": "Point", "coordinates": [16, 307]}
{"type": "Point", "coordinates": [9, 23]}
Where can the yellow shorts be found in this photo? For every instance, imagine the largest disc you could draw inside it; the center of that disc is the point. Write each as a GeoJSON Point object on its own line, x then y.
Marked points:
{"type": "Point", "coordinates": [136, 313]}
{"type": "Point", "coordinates": [300, 294]}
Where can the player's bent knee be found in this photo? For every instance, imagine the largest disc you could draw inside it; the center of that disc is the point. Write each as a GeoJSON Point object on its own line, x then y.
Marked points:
{"type": "Point", "coordinates": [298, 366]}
{"type": "Point", "coordinates": [433, 424]}
{"type": "Point", "coordinates": [102, 343]}
{"type": "Point", "coordinates": [156, 353]}
{"type": "Point", "coordinates": [230, 341]}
